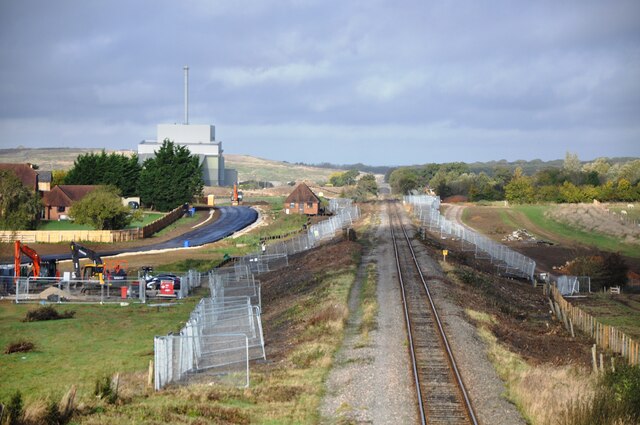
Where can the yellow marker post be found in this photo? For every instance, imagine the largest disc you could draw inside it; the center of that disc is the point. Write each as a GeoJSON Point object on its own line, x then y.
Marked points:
{"type": "Point", "coordinates": [445, 252]}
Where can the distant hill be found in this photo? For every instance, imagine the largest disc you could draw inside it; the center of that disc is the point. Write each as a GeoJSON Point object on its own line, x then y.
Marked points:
{"type": "Point", "coordinates": [249, 168]}
{"type": "Point", "coordinates": [48, 159]}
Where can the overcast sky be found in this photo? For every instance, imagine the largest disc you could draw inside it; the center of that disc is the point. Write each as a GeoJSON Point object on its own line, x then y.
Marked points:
{"type": "Point", "coordinates": [379, 82]}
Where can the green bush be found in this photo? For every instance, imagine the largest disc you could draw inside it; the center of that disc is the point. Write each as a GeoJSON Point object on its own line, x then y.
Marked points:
{"type": "Point", "coordinates": [616, 401]}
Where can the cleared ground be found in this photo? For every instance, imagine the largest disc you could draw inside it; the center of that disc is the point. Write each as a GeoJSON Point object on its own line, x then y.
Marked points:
{"type": "Point", "coordinates": [568, 241]}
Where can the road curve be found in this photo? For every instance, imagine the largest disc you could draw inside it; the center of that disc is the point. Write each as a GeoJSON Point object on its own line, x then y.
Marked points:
{"type": "Point", "coordinates": [230, 221]}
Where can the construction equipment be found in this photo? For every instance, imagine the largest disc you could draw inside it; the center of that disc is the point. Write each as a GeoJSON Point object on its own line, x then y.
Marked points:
{"type": "Point", "coordinates": [19, 249]}
{"type": "Point", "coordinates": [236, 196]}
{"type": "Point", "coordinates": [89, 271]}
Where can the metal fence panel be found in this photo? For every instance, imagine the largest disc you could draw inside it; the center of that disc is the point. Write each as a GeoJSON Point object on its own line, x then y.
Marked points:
{"type": "Point", "coordinates": [506, 260]}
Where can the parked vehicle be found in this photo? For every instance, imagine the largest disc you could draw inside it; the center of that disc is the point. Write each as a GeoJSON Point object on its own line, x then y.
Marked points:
{"type": "Point", "coordinates": [155, 281]}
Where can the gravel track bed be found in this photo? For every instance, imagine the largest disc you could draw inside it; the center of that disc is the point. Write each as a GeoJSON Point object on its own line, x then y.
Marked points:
{"type": "Point", "coordinates": [482, 382]}
{"type": "Point", "coordinates": [373, 384]}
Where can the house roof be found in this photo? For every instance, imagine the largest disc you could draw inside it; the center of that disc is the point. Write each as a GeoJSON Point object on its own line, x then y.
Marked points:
{"type": "Point", "coordinates": [301, 194]}
{"type": "Point", "coordinates": [45, 176]}
{"type": "Point", "coordinates": [27, 175]}
{"type": "Point", "coordinates": [66, 194]}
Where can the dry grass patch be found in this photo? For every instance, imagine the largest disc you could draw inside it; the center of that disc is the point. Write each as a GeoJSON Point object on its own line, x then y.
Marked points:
{"type": "Point", "coordinates": [543, 392]}
{"type": "Point", "coordinates": [595, 219]}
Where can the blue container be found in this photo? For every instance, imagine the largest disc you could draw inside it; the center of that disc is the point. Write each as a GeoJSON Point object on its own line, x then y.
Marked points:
{"type": "Point", "coordinates": [186, 243]}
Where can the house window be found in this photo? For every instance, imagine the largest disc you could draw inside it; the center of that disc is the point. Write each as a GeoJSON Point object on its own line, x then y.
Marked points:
{"type": "Point", "coordinates": [60, 209]}
{"type": "Point", "coordinates": [309, 204]}
{"type": "Point", "coordinates": [293, 205]}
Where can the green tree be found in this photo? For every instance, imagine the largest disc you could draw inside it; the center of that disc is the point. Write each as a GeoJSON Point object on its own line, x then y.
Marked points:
{"type": "Point", "coordinates": [520, 190]}
{"type": "Point", "coordinates": [346, 178]}
{"type": "Point", "coordinates": [19, 206]}
{"type": "Point", "coordinates": [170, 179]}
{"type": "Point", "coordinates": [571, 193]}
{"type": "Point", "coordinates": [367, 183]}
{"type": "Point", "coordinates": [102, 209]}
{"type": "Point", "coordinates": [57, 177]}
{"type": "Point", "coordinates": [403, 180]}
{"type": "Point", "coordinates": [113, 169]}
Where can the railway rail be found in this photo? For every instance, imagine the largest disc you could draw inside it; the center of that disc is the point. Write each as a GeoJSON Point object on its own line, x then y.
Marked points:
{"type": "Point", "coordinates": [441, 395]}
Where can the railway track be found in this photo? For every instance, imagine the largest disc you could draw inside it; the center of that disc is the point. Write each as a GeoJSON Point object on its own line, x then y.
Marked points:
{"type": "Point", "coordinates": [441, 395]}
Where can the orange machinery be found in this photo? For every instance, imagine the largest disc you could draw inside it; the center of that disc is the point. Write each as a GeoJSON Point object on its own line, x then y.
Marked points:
{"type": "Point", "coordinates": [19, 249]}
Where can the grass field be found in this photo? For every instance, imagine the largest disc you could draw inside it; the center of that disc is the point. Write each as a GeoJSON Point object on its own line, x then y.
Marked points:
{"type": "Point", "coordinates": [621, 311]}
{"type": "Point", "coordinates": [100, 339]}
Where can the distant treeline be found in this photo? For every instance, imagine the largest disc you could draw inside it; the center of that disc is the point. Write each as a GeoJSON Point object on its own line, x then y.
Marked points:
{"type": "Point", "coordinates": [570, 180]}
{"type": "Point", "coordinates": [490, 168]}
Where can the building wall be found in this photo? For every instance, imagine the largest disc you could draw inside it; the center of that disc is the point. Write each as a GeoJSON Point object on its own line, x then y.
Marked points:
{"type": "Point", "coordinates": [53, 213]}
{"type": "Point", "coordinates": [186, 133]}
{"type": "Point", "coordinates": [211, 170]}
{"type": "Point", "coordinates": [199, 139]}
{"type": "Point", "coordinates": [295, 208]}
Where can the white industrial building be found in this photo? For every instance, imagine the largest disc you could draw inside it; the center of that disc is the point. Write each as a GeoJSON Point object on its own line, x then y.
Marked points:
{"type": "Point", "coordinates": [200, 140]}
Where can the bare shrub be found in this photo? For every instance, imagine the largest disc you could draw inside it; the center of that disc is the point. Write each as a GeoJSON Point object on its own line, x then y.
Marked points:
{"type": "Point", "coordinates": [21, 346]}
{"type": "Point", "coordinates": [47, 313]}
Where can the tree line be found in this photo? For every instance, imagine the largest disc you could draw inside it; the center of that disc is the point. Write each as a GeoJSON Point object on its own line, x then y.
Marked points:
{"type": "Point", "coordinates": [572, 182]}
{"type": "Point", "coordinates": [173, 177]}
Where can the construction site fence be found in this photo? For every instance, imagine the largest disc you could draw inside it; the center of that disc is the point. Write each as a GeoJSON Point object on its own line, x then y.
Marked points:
{"type": "Point", "coordinates": [220, 337]}
{"type": "Point", "coordinates": [509, 262]}
{"type": "Point", "coordinates": [607, 337]}
{"type": "Point", "coordinates": [570, 285]}
{"type": "Point", "coordinates": [317, 233]}
{"type": "Point", "coordinates": [224, 331]}
{"type": "Point", "coordinates": [223, 288]}
{"type": "Point", "coordinates": [56, 290]}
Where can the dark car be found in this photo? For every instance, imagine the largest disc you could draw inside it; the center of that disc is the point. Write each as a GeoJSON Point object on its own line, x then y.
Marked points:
{"type": "Point", "coordinates": [154, 282]}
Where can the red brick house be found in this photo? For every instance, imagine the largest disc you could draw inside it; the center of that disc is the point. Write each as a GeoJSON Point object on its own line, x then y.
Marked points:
{"type": "Point", "coordinates": [27, 175]}
{"type": "Point", "coordinates": [58, 201]}
{"type": "Point", "coordinates": [302, 201]}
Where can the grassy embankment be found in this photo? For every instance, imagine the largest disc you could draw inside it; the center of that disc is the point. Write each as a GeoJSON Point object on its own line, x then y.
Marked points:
{"type": "Point", "coordinates": [536, 213]}
{"type": "Point", "coordinates": [547, 393]}
{"type": "Point", "coordinates": [512, 218]}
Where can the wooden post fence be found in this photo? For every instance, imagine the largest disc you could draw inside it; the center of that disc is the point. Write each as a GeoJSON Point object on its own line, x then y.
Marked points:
{"type": "Point", "coordinates": [607, 337]}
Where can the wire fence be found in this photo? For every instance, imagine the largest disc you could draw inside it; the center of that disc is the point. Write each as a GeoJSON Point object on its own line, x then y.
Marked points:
{"type": "Point", "coordinates": [506, 260]}
{"type": "Point", "coordinates": [345, 213]}
{"type": "Point", "coordinates": [57, 290]}
{"type": "Point", "coordinates": [571, 285]}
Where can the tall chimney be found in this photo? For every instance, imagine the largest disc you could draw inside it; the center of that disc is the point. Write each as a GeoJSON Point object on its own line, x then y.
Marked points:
{"type": "Point", "coordinates": [186, 94]}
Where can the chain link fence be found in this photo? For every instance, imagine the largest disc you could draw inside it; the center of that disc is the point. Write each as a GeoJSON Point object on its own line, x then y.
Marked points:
{"type": "Point", "coordinates": [507, 261]}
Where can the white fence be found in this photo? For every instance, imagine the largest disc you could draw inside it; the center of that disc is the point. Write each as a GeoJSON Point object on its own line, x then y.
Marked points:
{"type": "Point", "coordinates": [507, 261]}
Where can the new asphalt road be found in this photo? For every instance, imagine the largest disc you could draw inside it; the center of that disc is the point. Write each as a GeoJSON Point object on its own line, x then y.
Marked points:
{"type": "Point", "coordinates": [231, 220]}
